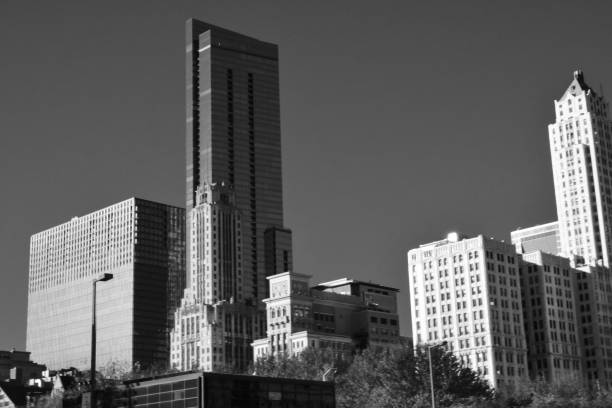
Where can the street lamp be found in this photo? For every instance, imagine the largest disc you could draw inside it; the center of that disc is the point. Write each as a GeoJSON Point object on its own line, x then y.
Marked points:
{"type": "Point", "coordinates": [102, 278]}
{"type": "Point", "coordinates": [431, 377]}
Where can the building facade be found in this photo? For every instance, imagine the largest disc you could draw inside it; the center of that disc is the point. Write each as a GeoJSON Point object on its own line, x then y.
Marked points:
{"type": "Point", "coordinates": [595, 315]}
{"type": "Point", "coordinates": [342, 315]}
{"type": "Point", "coordinates": [214, 325]}
{"type": "Point", "coordinates": [233, 142]}
{"type": "Point", "coordinates": [581, 152]}
{"type": "Point", "coordinates": [215, 390]}
{"type": "Point", "coordinates": [551, 311]}
{"type": "Point", "coordinates": [544, 237]}
{"type": "Point", "coordinates": [465, 292]}
{"type": "Point", "coordinates": [142, 243]}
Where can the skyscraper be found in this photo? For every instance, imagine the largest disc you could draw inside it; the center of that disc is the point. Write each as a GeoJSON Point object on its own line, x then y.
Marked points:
{"type": "Point", "coordinates": [142, 243]}
{"type": "Point", "coordinates": [233, 133]}
{"type": "Point", "coordinates": [581, 151]}
{"type": "Point", "coordinates": [233, 144]}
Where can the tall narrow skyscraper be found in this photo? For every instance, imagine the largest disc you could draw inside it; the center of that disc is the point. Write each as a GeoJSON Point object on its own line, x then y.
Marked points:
{"type": "Point", "coordinates": [581, 150]}
{"type": "Point", "coordinates": [233, 134]}
{"type": "Point", "coordinates": [233, 145]}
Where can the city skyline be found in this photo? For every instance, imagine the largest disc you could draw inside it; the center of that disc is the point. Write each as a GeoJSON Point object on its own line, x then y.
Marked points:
{"type": "Point", "coordinates": [332, 237]}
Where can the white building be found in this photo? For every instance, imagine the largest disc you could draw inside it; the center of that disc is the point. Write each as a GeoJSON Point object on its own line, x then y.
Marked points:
{"type": "Point", "coordinates": [342, 315]}
{"type": "Point", "coordinates": [465, 292]}
{"type": "Point", "coordinates": [214, 326]}
{"type": "Point", "coordinates": [581, 151]}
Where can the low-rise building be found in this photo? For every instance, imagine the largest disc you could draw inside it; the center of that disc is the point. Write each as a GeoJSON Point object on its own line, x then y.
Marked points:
{"type": "Point", "coordinates": [343, 314]}
{"type": "Point", "coordinates": [17, 366]}
{"type": "Point", "coordinates": [212, 390]}
{"type": "Point", "coordinates": [16, 395]}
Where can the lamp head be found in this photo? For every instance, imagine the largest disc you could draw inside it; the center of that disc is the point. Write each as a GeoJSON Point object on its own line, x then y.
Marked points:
{"type": "Point", "coordinates": [105, 277]}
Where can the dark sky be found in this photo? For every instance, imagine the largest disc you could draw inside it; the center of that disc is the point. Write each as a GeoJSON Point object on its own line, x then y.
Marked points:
{"type": "Point", "coordinates": [401, 120]}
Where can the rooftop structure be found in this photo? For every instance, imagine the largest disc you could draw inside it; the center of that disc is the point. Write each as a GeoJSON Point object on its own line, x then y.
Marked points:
{"type": "Point", "coordinates": [343, 314]}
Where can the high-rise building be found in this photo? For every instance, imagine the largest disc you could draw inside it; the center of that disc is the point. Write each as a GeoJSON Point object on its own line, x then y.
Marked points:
{"type": "Point", "coordinates": [142, 243]}
{"type": "Point", "coordinates": [465, 292]}
{"type": "Point", "coordinates": [233, 134]}
{"type": "Point", "coordinates": [544, 237]}
{"type": "Point", "coordinates": [342, 315]}
{"type": "Point", "coordinates": [551, 312]}
{"type": "Point", "coordinates": [581, 151]}
{"type": "Point", "coordinates": [213, 327]}
{"type": "Point", "coordinates": [233, 143]}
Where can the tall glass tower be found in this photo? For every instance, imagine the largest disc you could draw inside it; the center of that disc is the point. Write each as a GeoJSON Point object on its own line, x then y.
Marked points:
{"type": "Point", "coordinates": [233, 133]}
{"type": "Point", "coordinates": [581, 149]}
{"type": "Point", "coordinates": [233, 148]}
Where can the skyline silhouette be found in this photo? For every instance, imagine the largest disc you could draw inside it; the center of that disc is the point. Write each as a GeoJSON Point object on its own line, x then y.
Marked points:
{"type": "Point", "coordinates": [398, 124]}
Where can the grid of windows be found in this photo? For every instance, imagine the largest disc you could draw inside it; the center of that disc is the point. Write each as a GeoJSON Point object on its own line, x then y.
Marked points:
{"type": "Point", "coordinates": [142, 243]}
{"type": "Point", "coordinates": [466, 293]}
{"type": "Point", "coordinates": [83, 247]}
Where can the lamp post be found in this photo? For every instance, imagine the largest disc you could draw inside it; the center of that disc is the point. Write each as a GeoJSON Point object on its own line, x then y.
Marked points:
{"type": "Point", "coordinates": [102, 278]}
{"type": "Point", "coordinates": [431, 377]}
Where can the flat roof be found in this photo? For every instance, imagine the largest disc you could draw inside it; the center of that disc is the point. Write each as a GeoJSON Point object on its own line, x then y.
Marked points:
{"type": "Point", "coordinates": [347, 281]}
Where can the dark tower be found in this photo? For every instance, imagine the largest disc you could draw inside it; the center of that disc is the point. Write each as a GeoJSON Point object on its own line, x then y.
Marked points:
{"type": "Point", "coordinates": [233, 139]}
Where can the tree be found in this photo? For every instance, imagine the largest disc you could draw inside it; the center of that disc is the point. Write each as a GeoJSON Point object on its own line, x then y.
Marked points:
{"type": "Point", "coordinates": [310, 364]}
{"type": "Point", "coordinates": [399, 377]}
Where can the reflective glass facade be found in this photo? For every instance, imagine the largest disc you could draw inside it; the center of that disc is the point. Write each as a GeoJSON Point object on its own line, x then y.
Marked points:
{"type": "Point", "coordinates": [142, 243]}
{"type": "Point", "coordinates": [233, 135]}
{"type": "Point", "coordinates": [210, 390]}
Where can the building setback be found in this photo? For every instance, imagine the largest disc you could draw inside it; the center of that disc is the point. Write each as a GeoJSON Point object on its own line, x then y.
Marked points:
{"type": "Point", "coordinates": [342, 315]}
{"type": "Point", "coordinates": [142, 243]}
{"type": "Point", "coordinates": [233, 144]}
{"type": "Point", "coordinates": [465, 292]}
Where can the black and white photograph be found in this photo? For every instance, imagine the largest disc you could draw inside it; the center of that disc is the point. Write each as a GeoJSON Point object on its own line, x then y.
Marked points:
{"type": "Point", "coordinates": [326, 204]}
